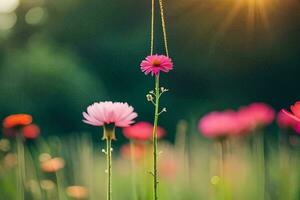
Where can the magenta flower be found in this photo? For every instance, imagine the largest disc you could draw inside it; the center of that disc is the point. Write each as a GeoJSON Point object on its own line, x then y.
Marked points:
{"type": "Point", "coordinates": [155, 63]}
{"type": "Point", "coordinates": [295, 114]}
{"type": "Point", "coordinates": [219, 124]}
{"type": "Point", "coordinates": [287, 120]}
{"type": "Point", "coordinates": [255, 115]}
{"type": "Point", "coordinates": [106, 113]}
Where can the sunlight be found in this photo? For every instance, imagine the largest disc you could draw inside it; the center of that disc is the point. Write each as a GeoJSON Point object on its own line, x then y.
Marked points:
{"type": "Point", "coordinates": [255, 13]}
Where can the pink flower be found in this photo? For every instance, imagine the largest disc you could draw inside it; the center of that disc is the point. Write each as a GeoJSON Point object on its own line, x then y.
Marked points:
{"type": "Point", "coordinates": [284, 120]}
{"type": "Point", "coordinates": [255, 115]}
{"type": "Point", "coordinates": [297, 128]}
{"type": "Point", "coordinates": [295, 114]}
{"type": "Point", "coordinates": [104, 113]}
{"type": "Point", "coordinates": [136, 152]}
{"type": "Point", "coordinates": [142, 131]}
{"type": "Point", "coordinates": [218, 124]}
{"type": "Point", "coordinates": [53, 165]}
{"type": "Point", "coordinates": [155, 63]}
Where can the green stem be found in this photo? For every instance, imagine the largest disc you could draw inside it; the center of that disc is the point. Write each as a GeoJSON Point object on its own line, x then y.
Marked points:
{"type": "Point", "coordinates": [221, 147]}
{"type": "Point", "coordinates": [156, 114]}
{"type": "Point", "coordinates": [59, 181]}
{"type": "Point", "coordinates": [221, 158]}
{"type": "Point", "coordinates": [21, 168]}
{"type": "Point", "coordinates": [109, 166]}
{"type": "Point", "coordinates": [260, 156]}
{"type": "Point", "coordinates": [133, 171]}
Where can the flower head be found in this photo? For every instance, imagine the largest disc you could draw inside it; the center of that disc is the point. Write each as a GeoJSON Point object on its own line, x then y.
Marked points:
{"type": "Point", "coordinates": [142, 131]}
{"type": "Point", "coordinates": [295, 112]}
{"type": "Point", "coordinates": [284, 120]}
{"type": "Point", "coordinates": [53, 165]}
{"type": "Point", "coordinates": [16, 120]}
{"type": "Point", "coordinates": [77, 192]}
{"type": "Point", "coordinates": [105, 113]}
{"type": "Point", "coordinates": [255, 115]}
{"type": "Point", "coordinates": [155, 63]}
{"type": "Point", "coordinates": [218, 124]}
{"type": "Point", "coordinates": [31, 131]}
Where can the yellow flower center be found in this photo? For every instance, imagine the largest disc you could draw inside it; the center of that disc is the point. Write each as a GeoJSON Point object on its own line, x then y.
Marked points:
{"type": "Point", "coordinates": [156, 63]}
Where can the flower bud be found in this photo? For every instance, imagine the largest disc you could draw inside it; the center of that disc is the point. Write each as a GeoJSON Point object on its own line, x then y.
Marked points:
{"type": "Point", "coordinates": [149, 97]}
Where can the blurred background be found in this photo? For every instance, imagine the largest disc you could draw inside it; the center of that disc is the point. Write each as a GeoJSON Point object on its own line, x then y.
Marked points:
{"type": "Point", "coordinates": [57, 57]}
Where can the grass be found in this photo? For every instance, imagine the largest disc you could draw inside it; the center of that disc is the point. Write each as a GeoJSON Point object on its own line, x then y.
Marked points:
{"type": "Point", "coordinates": [253, 167]}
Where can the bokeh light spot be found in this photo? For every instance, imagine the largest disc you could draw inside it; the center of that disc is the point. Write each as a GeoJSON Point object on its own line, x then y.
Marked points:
{"type": "Point", "coordinates": [215, 180]}
{"type": "Point", "coordinates": [35, 15]}
{"type": "Point", "coordinates": [7, 21]}
{"type": "Point", "coordinates": [8, 6]}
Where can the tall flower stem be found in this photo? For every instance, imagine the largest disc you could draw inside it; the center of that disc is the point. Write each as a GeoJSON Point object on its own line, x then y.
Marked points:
{"type": "Point", "coordinates": [156, 115]}
{"type": "Point", "coordinates": [21, 168]}
{"type": "Point", "coordinates": [109, 167]}
{"type": "Point", "coordinates": [133, 171]}
{"type": "Point", "coordinates": [109, 135]}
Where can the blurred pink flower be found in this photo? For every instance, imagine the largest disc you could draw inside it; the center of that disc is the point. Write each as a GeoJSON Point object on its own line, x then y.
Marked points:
{"type": "Point", "coordinates": [286, 121]}
{"type": "Point", "coordinates": [297, 128]}
{"type": "Point", "coordinates": [295, 114]}
{"type": "Point", "coordinates": [169, 163]}
{"type": "Point", "coordinates": [137, 151]}
{"type": "Point", "coordinates": [77, 192]}
{"type": "Point", "coordinates": [155, 63]}
{"type": "Point", "coordinates": [168, 168]}
{"type": "Point", "coordinates": [53, 165]}
{"type": "Point", "coordinates": [218, 124]}
{"type": "Point", "coordinates": [102, 113]}
{"type": "Point", "coordinates": [142, 131]}
{"type": "Point", "coordinates": [255, 115]}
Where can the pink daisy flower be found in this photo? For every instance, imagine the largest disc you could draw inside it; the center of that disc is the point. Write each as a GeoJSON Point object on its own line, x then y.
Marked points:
{"type": "Point", "coordinates": [104, 113]}
{"type": "Point", "coordinates": [155, 63]}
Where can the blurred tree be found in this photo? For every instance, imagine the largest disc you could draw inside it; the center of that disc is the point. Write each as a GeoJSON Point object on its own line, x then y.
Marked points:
{"type": "Point", "coordinates": [49, 82]}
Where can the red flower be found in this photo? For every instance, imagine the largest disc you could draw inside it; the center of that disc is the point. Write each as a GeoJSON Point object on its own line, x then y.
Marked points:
{"type": "Point", "coordinates": [295, 114]}
{"type": "Point", "coordinates": [16, 120]}
{"type": "Point", "coordinates": [285, 121]}
{"type": "Point", "coordinates": [31, 131]}
{"type": "Point", "coordinates": [142, 131]}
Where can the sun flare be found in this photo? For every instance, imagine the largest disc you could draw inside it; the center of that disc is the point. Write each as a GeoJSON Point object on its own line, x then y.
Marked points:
{"type": "Point", "coordinates": [251, 15]}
